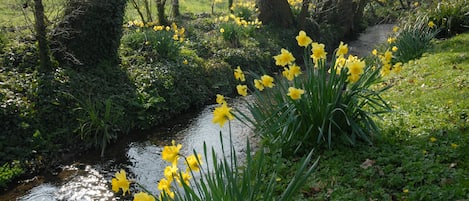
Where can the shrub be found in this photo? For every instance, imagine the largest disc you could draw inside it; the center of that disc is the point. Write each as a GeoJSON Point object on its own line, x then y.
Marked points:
{"type": "Point", "coordinates": [452, 17]}
{"type": "Point", "coordinates": [8, 172]}
{"type": "Point", "coordinates": [152, 45]}
{"type": "Point", "coordinates": [323, 106]}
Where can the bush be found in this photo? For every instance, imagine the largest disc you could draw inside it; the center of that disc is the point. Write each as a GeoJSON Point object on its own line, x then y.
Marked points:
{"type": "Point", "coordinates": [451, 17]}
{"type": "Point", "coordinates": [319, 108]}
{"type": "Point", "coordinates": [8, 172]}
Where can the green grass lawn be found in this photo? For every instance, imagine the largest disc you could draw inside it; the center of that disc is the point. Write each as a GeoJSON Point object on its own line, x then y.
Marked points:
{"type": "Point", "coordinates": [422, 154]}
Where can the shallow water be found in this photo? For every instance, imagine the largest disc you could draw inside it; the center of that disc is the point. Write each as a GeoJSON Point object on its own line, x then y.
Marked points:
{"type": "Point", "coordinates": [89, 178]}
{"type": "Point", "coordinates": [367, 40]}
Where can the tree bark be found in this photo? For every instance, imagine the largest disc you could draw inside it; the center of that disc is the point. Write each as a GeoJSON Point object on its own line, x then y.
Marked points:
{"type": "Point", "coordinates": [175, 9]}
{"type": "Point", "coordinates": [276, 12]}
{"type": "Point", "coordinates": [40, 27]}
{"type": "Point", "coordinates": [89, 33]}
{"type": "Point", "coordinates": [160, 9]}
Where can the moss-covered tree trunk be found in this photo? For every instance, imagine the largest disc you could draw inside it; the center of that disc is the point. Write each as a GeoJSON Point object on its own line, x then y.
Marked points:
{"type": "Point", "coordinates": [40, 27]}
{"type": "Point", "coordinates": [89, 33]}
{"type": "Point", "coordinates": [275, 12]}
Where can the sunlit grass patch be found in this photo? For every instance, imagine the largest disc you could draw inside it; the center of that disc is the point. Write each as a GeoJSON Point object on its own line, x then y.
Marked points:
{"type": "Point", "coordinates": [422, 154]}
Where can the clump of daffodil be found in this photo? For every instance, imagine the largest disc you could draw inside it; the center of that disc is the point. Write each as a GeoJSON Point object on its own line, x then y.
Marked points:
{"type": "Point", "coordinates": [386, 62]}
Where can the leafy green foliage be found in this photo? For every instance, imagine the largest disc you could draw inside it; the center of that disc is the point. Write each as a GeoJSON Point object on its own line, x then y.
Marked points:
{"type": "Point", "coordinates": [151, 44]}
{"type": "Point", "coordinates": [451, 17]}
{"type": "Point", "coordinates": [8, 172]}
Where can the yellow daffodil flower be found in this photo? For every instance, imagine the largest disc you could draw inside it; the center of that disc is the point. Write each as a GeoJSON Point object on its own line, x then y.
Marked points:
{"type": "Point", "coordinates": [302, 39]}
{"type": "Point", "coordinates": [193, 163]}
{"type": "Point", "coordinates": [343, 49]}
{"type": "Point", "coordinates": [431, 24]}
{"type": "Point", "coordinates": [120, 182]}
{"type": "Point", "coordinates": [258, 85]}
{"type": "Point", "coordinates": [242, 90]}
{"type": "Point", "coordinates": [239, 74]}
{"type": "Point", "coordinates": [267, 81]}
{"type": "Point", "coordinates": [220, 99]}
{"type": "Point", "coordinates": [295, 93]}
{"type": "Point", "coordinates": [284, 58]}
{"type": "Point", "coordinates": [142, 196]}
{"type": "Point", "coordinates": [318, 52]}
{"type": "Point", "coordinates": [171, 153]}
{"type": "Point", "coordinates": [170, 172]}
{"type": "Point", "coordinates": [221, 114]}
{"type": "Point", "coordinates": [394, 48]}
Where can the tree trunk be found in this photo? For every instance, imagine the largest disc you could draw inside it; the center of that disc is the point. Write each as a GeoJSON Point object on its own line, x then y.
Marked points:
{"type": "Point", "coordinates": [44, 58]}
{"type": "Point", "coordinates": [276, 12]}
{"type": "Point", "coordinates": [160, 9]}
{"type": "Point", "coordinates": [148, 10]}
{"type": "Point", "coordinates": [89, 33]}
{"type": "Point", "coordinates": [175, 9]}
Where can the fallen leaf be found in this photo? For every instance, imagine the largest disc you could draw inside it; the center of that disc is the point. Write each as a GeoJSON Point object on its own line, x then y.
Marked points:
{"type": "Point", "coordinates": [368, 163]}
{"type": "Point", "coordinates": [452, 165]}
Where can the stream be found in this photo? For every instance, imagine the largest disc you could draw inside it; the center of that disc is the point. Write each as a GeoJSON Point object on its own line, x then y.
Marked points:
{"type": "Point", "coordinates": [89, 177]}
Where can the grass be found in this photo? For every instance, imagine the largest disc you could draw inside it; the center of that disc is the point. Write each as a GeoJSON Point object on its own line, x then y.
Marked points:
{"type": "Point", "coordinates": [422, 153]}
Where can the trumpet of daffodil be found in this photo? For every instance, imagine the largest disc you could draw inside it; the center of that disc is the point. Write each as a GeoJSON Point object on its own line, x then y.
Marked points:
{"type": "Point", "coordinates": [220, 99]}
{"type": "Point", "coordinates": [170, 172]}
{"type": "Point", "coordinates": [258, 85]}
{"type": "Point", "coordinates": [318, 52]}
{"type": "Point", "coordinates": [120, 182]}
{"type": "Point", "coordinates": [284, 58]}
{"type": "Point", "coordinates": [239, 74]}
{"type": "Point", "coordinates": [142, 196]}
{"type": "Point", "coordinates": [302, 39]}
{"type": "Point", "coordinates": [295, 93]}
{"type": "Point", "coordinates": [171, 153]}
{"type": "Point", "coordinates": [342, 50]}
{"type": "Point", "coordinates": [221, 114]}
{"type": "Point", "coordinates": [267, 81]}
{"type": "Point", "coordinates": [242, 89]}
{"type": "Point", "coordinates": [193, 162]}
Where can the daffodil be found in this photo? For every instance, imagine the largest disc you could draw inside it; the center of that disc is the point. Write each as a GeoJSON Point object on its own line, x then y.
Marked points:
{"type": "Point", "coordinates": [295, 93]}
{"type": "Point", "coordinates": [242, 90]}
{"type": "Point", "coordinates": [286, 73]}
{"type": "Point", "coordinates": [258, 84]}
{"type": "Point", "coordinates": [171, 153]}
{"type": "Point", "coordinates": [355, 66]}
{"type": "Point", "coordinates": [267, 81]}
{"type": "Point", "coordinates": [374, 52]}
{"type": "Point", "coordinates": [395, 29]}
{"type": "Point", "coordinates": [343, 49]}
{"type": "Point", "coordinates": [433, 139]}
{"type": "Point", "coordinates": [394, 48]}
{"type": "Point", "coordinates": [239, 74]}
{"type": "Point", "coordinates": [222, 30]}
{"type": "Point", "coordinates": [454, 145]}
{"type": "Point", "coordinates": [431, 24]}
{"type": "Point", "coordinates": [318, 52]}
{"type": "Point", "coordinates": [170, 172]}
{"type": "Point", "coordinates": [220, 99]}
{"type": "Point", "coordinates": [302, 39]}
{"type": "Point", "coordinates": [391, 40]}
{"type": "Point", "coordinates": [120, 182]}
{"type": "Point", "coordinates": [193, 163]}
{"type": "Point", "coordinates": [397, 67]}
{"type": "Point", "coordinates": [142, 196]}
{"type": "Point", "coordinates": [284, 58]}
{"type": "Point", "coordinates": [221, 114]}
{"type": "Point", "coordinates": [164, 185]}
{"type": "Point", "coordinates": [295, 70]}
{"type": "Point", "coordinates": [186, 177]}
